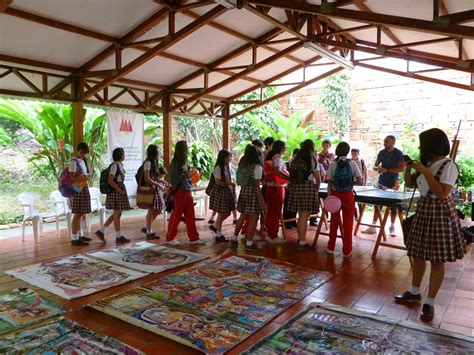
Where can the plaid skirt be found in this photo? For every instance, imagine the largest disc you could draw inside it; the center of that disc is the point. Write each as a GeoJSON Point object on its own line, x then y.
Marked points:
{"type": "Point", "coordinates": [303, 197]}
{"type": "Point", "coordinates": [436, 234]}
{"type": "Point", "coordinates": [81, 201]}
{"type": "Point", "coordinates": [116, 201]}
{"type": "Point", "coordinates": [222, 199]}
{"type": "Point", "coordinates": [248, 200]}
{"type": "Point", "coordinates": [158, 200]}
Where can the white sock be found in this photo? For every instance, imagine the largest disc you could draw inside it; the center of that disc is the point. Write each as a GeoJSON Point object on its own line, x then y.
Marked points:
{"type": "Point", "coordinates": [430, 301]}
{"type": "Point", "coordinates": [248, 243]}
{"type": "Point", "coordinates": [81, 232]}
{"type": "Point", "coordinates": [218, 233]}
{"type": "Point", "coordinates": [302, 242]}
{"type": "Point", "coordinates": [149, 231]}
{"type": "Point", "coordinates": [414, 290]}
{"type": "Point", "coordinates": [117, 234]}
{"type": "Point", "coordinates": [74, 236]}
{"type": "Point", "coordinates": [103, 228]}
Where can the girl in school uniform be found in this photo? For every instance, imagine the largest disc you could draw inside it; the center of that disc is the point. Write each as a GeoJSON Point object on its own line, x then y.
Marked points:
{"type": "Point", "coordinates": [150, 177]}
{"type": "Point", "coordinates": [118, 199]}
{"type": "Point", "coordinates": [435, 234]}
{"type": "Point", "coordinates": [275, 192]}
{"type": "Point", "coordinates": [304, 189]}
{"type": "Point", "coordinates": [341, 174]}
{"type": "Point", "coordinates": [250, 203]}
{"type": "Point", "coordinates": [81, 201]}
{"type": "Point", "coordinates": [222, 199]}
{"type": "Point", "coordinates": [179, 172]}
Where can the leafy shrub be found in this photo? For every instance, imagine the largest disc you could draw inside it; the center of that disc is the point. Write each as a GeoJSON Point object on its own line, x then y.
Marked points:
{"type": "Point", "coordinates": [466, 171]}
{"type": "Point", "coordinates": [202, 156]}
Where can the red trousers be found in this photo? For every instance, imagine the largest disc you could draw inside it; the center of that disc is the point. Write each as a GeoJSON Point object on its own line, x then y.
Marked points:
{"type": "Point", "coordinates": [183, 204]}
{"type": "Point", "coordinates": [274, 197]}
{"type": "Point", "coordinates": [348, 211]}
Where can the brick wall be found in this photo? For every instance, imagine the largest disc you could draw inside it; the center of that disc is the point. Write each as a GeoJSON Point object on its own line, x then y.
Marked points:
{"type": "Point", "coordinates": [383, 104]}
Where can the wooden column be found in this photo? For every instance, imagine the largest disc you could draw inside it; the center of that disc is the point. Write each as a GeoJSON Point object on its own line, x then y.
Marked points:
{"type": "Point", "coordinates": [226, 128]}
{"type": "Point", "coordinates": [77, 123]}
{"type": "Point", "coordinates": [167, 131]}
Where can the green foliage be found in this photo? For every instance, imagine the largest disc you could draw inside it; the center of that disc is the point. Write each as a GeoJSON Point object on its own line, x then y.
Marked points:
{"type": "Point", "coordinates": [201, 130]}
{"type": "Point", "coordinates": [292, 130]}
{"type": "Point", "coordinates": [5, 140]}
{"type": "Point", "coordinates": [466, 171]}
{"type": "Point", "coordinates": [409, 140]}
{"type": "Point", "coordinates": [336, 98]}
{"type": "Point", "coordinates": [202, 156]}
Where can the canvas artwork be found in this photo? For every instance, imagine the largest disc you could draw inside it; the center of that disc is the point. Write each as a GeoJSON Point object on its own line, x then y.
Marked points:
{"type": "Point", "coordinates": [148, 257]}
{"type": "Point", "coordinates": [75, 276]}
{"type": "Point", "coordinates": [22, 307]}
{"type": "Point", "coordinates": [214, 306]}
{"type": "Point", "coordinates": [324, 328]}
{"type": "Point", "coordinates": [62, 336]}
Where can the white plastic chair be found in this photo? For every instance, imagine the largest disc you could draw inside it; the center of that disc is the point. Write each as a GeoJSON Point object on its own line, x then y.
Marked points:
{"type": "Point", "coordinates": [60, 207]}
{"type": "Point", "coordinates": [96, 206]}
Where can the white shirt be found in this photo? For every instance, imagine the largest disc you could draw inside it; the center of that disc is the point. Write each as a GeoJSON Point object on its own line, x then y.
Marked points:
{"type": "Point", "coordinates": [315, 167]}
{"type": "Point", "coordinates": [147, 165]}
{"type": "Point", "coordinates": [332, 168]}
{"type": "Point", "coordinates": [277, 163]}
{"type": "Point", "coordinates": [217, 174]}
{"type": "Point", "coordinates": [448, 176]}
{"type": "Point", "coordinates": [73, 166]}
{"type": "Point", "coordinates": [258, 172]}
{"type": "Point", "coordinates": [113, 171]}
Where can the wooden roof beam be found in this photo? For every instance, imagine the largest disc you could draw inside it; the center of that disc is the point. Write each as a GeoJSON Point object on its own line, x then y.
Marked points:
{"type": "Point", "coordinates": [4, 5]}
{"type": "Point", "coordinates": [443, 10]}
{"type": "Point", "coordinates": [406, 23]}
{"type": "Point", "coordinates": [457, 17]}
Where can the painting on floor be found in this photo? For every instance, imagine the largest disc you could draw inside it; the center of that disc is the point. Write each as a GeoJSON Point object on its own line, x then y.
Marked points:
{"type": "Point", "coordinates": [75, 276]}
{"type": "Point", "coordinates": [148, 257]}
{"type": "Point", "coordinates": [324, 328]}
{"type": "Point", "coordinates": [215, 305]}
{"type": "Point", "coordinates": [22, 307]}
{"type": "Point", "coordinates": [62, 336]}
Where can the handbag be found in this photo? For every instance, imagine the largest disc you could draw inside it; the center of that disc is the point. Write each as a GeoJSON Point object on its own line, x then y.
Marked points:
{"type": "Point", "coordinates": [408, 221]}
{"type": "Point", "coordinates": [145, 195]}
{"type": "Point", "coordinates": [169, 203]}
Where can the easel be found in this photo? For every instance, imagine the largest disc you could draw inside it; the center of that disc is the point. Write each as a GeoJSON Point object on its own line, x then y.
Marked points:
{"type": "Point", "coordinates": [284, 221]}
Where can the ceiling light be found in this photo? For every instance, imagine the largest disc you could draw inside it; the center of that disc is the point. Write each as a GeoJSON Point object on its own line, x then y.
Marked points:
{"type": "Point", "coordinates": [323, 52]}
{"type": "Point", "coordinates": [226, 3]}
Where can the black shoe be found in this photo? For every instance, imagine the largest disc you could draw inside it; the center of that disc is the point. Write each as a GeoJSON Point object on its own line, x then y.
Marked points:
{"type": "Point", "coordinates": [251, 247]}
{"type": "Point", "coordinates": [234, 222]}
{"type": "Point", "coordinates": [79, 243]}
{"type": "Point", "coordinates": [152, 236]}
{"type": "Point", "coordinates": [143, 230]}
{"type": "Point", "coordinates": [408, 297]}
{"type": "Point", "coordinates": [313, 223]}
{"type": "Point", "coordinates": [122, 239]}
{"type": "Point", "coordinates": [213, 228]}
{"type": "Point", "coordinates": [221, 239]}
{"type": "Point", "coordinates": [211, 221]}
{"type": "Point", "coordinates": [100, 235]}
{"type": "Point", "coordinates": [288, 226]}
{"type": "Point", "coordinates": [427, 313]}
{"type": "Point", "coordinates": [305, 247]}
{"type": "Point", "coordinates": [85, 239]}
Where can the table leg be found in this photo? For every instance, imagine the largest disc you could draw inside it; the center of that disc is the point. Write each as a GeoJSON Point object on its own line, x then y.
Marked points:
{"type": "Point", "coordinates": [359, 221]}
{"type": "Point", "coordinates": [318, 230]}
{"type": "Point", "coordinates": [381, 232]}
{"type": "Point", "coordinates": [378, 213]}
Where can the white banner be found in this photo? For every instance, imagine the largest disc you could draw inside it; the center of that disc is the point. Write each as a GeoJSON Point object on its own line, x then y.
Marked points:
{"type": "Point", "coordinates": [126, 131]}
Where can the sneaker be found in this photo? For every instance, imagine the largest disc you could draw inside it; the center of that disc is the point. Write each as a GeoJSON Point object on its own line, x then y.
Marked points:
{"type": "Point", "coordinates": [213, 228]}
{"type": "Point", "coordinates": [173, 242]}
{"type": "Point", "coordinates": [408, 297]}
{"type": "Point", "coordinates": [392, 231]}
{"type": "Point", "coordinates": [78, 243]}
{"type": "Point", "coordinates": [152, 236]}
{"type": "Point", "coordinates": [143, 230]}
{"type": "Point", "coordinates": [277, 241]}
{"type": "Point", "coordinates": [304, 247]}
{"type": "Point", "coordinates": [199, 242]}
{"type": "Point", "coordinates": [100, 235]}
{"type": "Point", "coordinates": [347, 255]}
{"type": "Point", "coordinates": [427, 313]}
{"type": "Point", "coordinates": [329, 251]}
{"type": "Point", "coordinates": [221, 239]}
{"type": "Point", "coordinates": [85, 239]}
{"type": "Point", "coordinates": [253, 246]}
{"type": "Point", "coordinates": [122, 239]}
{"type": "Point", "coordinates": [370, 230]}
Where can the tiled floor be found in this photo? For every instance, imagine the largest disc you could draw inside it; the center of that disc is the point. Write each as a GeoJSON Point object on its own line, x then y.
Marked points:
{"type": "Point", "coordinates": [360, 282]}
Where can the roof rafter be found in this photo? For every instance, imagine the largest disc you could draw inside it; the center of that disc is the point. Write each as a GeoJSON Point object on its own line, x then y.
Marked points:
{"type": "Point", "coordinates": [4, 5]}
{"type": "Point", "coordinates": [443, 10]}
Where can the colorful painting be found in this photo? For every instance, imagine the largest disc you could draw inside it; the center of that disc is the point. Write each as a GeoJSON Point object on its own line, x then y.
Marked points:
{"type": "Point", "coordinates": [148, 257]}
{"type": "Point", "coordinates": [214, 306]}
{"type": "Point", "coordinates": [62, 336]}
{"type": "Point", "coordinates": [324, 328]}
{"type": "Point", "coordinates": [74, 277]}
{"type": "Point", "coordinates": [22, 307]}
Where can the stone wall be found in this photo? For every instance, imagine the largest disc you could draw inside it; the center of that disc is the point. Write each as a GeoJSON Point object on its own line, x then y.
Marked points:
{"type": "Point", "coordinates": [384, 104]}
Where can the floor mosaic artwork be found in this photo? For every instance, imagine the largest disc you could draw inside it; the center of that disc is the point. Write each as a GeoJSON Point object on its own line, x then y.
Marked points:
{"type": "Point", "coordinates": [22, 307]}
{"type": "Point", "coordinates": [324, 328]}
{"type": "Point", "coordinates": [75, 276]}
{"type": "Point", "coordinates": [214, 306]}
{"type": "Point", "coordinates": [148, 257]}
{"type": "Point", "coordinates": [62, 336]}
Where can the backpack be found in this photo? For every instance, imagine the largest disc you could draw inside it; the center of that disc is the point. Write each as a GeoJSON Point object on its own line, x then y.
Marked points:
{"type": "Point", "coordinates": [244, 176]}
{"type": "Point", "coordinates": [210, 186]}
{"type": "Point", "coordinates": [104, 185]}
{"type": "Point", "coordinates": [299, 172]}
{"type": "Point", "coordinates": [139, 175]}
{"type": "Point", "coordinates": [343, 181]}
{"type": "Point", "coordinates": [65, 185]}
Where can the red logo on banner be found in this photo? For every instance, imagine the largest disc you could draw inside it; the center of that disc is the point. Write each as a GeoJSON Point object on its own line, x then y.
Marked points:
{"type": "Point", "coordinates": [125, 126]}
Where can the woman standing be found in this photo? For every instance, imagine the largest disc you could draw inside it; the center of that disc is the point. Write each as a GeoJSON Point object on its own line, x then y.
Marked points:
{"type": "Point", "coordinates": [183, 198]}
{"type": "Point", "coordinates": [435, 234]}
{"type": "Point", "coordinates": [275, 192]}
{"type": "Point", "coordinates": [222, 198]}
{"type": "Point", "coordinates": [304, 189]}
{"type": "Point", "coordinates": [80, 201]}
{"type": "Point", "coordinates": [250, 204]}
{"type": "Point", "coordinates": [118, 199]}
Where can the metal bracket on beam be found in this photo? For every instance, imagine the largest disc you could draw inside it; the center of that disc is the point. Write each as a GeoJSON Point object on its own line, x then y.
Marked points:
{"type": "Point", "coordinates": [327, 8]}
{"type": "Point", "coordinates": [441, 21]}
{"type": "Point", "coordinates": [381, 50]}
